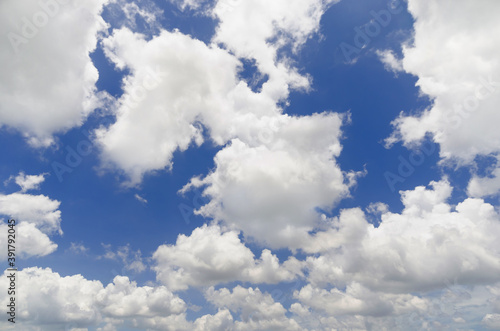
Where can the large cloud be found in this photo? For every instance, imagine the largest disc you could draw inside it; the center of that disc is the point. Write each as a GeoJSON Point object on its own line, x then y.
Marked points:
{"type": "Point", "coordinates": [432, 266]}
{"type": "Point", "coordinates": [455, 60]}
{"type": "Point", "coordinates": [48, 79]}
{"type": "Point", "coordinates": [455, 307]}
{"type": "Point", "coordinates": [165, 96]}
{"type": "Point", "coordinates": [47, 301]}
{"type": "Point", "coordinates": [210, 256]}
{"type": "Point", "coordinates": [429, 266]}
{"type": "Point", "coordinates": [421, 249]}
{"type": "Point", "coordinates": [271, 191]}
{"type": "Point", "coordinates": [168, 99]}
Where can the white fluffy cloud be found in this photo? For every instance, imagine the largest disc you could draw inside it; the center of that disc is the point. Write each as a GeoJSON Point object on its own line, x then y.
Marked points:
{"type": "Point", "coordinates": [455, 60]}
{"type": "Point", "coordinates": [432, 266]}
{"type": "Point", "coordinates": [30, 240]}
{"type": "Point", "coordinates": [37, 217]}
{"type": "Point", "coordinates": [421, 249]}
{"type": "Point", "coordinates": [45, 297]}
{"type": "Point", "coordinates": [455, 307]}
{"type": "Point", "coordinates": [271, 190]}
{"type": "Point", "coordinates": [256, 30]}
{"type": "Point", "coordinates": [48, 80]}
{"type": "Point", "coordinates": [168, 99]}
{"type": "Point", "coordinates": [28, 182]}
{"type": "Point", "coordinates": [257, 310]}
{"type": "Point", "coordinates": [221, 321]}
{"type": "Point", "coordinates": [166, 96]}
{"type": "Point", "coordinates": [210, 256]}
{"type": "Point", "coordinates": [36, 209]}
{"type": "Point", "coordinates": [425, 248]}
{"type": "Point", "coordinates": [124, 299]}
{"type": "Point", "coordinates": [358, 300]}
{"type": "Point", "coordinates": [47, 301]}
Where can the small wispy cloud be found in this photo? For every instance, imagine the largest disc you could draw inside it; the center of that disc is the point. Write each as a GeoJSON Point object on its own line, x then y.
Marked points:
{"type": "Point", "coordinates": [132, 260]}
{"type": "Point", "coordinates": [141, 199]}
{"type": "Point", "coordinates": [77, 248]}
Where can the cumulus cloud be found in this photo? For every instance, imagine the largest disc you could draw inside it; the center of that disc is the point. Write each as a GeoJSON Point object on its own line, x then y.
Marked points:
{"type": "Point", "coordinates": [456, 68]}
{"type": "Point", "coordinates": [258, 30]}
{"type": "Point", "coordinates": [429, 243]}
{"type": "Point", "coordinates": [48, 81]}
{"type": "Point", "coordinates": [456, 65]}
{"type": "Point", "coordinates": [271, 190]}
{"type": "Point", "coordinates": [432, 265]}
{"type": "Point", "coordinates": [358, 300]}
{"type": "Point", "coordinates": [27, 182]}
{"type": "Point", "coordinates": [48, 301]}
{"type": "Point", "coordinates": [212, 256]}
{"type": "Point", "coordinates": [37, 217]}
{"type": "Point", "coordinates": [382, 277]}
{"type": "Point", "coordinates": [257, 310]}
{"type": "Point", "coordinates": [47, 298]}
{"type": "Point", "coordinates": [453, 307]}
{"type": "Point", "coordinates": [37, 209]}
{"type": "Point", "coordinates": [168, 101]}
{"type": "Point", "coordinates": [221, 321]}
{"type": "Point", "coordinates": [165, 96]}
{"type": "Point", "coordinates": [31, 241]}
{"type": "Point", "coordinates": [123, 298]}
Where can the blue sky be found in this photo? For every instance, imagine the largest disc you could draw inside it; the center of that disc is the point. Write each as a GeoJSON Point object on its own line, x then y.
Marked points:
{"type": "Point", "coordinates": [252, 165]}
